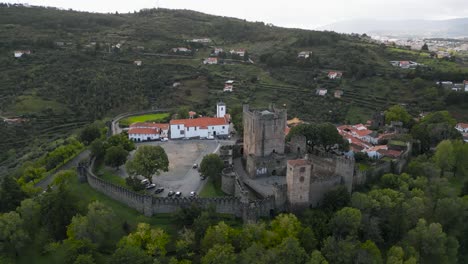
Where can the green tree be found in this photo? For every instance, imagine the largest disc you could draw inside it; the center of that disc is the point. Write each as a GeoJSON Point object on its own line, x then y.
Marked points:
{"type": "Point", "coordinates": [290, 252]}
{"type": "Point", "coordinates": [317, 258]}
{"type": "Point", "coordinates": [183, 113]}
{"type": "Point", "coordinates": [84, 259]}
{"type": "Point", "coordinates": [346, 222]}
{"type": "Point", "coordinates": [116, 156]}
{"type": "Point", "coordinates": [336, 198]}
{"type": "Point", "coordinates": [257, 254]}
{"type": "Point", "coordinates": [130, 254]}
{"type": "Point", "coordinates": [98, 149]}
{"type": "Point", "coordinates": [30, 212]}
{"type": "Point", "coordinates": [11, 194]}
{"type": "Point", "coordinates": [460, 150]}
{"type": "Point", "coordinates": [220, 254]}
{"type": "Point", "coordinates": [211, 166]}
{"type": "Point", "coordinates": [96, 226]}
{"type": "Point", "coordinates": [185, 245]}
{"type": "Point", "coordinates": [57, 209]}
{"type": "Point", "coordinates": [329, 136]}
{"type": "Point", "coordinates": [148, 160]}
{"type": "Point", "coordinates": [218, 234]}
{"type": "Point", "coordinates": [340, 251]}
{"type": "Point", "coordinates": [369, 253]}
{"type": "Point", "coordinates": [444, 156]}
{"type": "Point", "coordinates": [13, 237]}
{"type": "Point", "coordinates": [431, 243]}
{"type": "Point", "coordinates": [397, 113]}
{"type": "Point", "coordinates": [89, 134]}
{"type": "Point", "coordinates": [120, 140]}
{"type": "Point", "coordinates": [283, 226]}
{"type": "Point", "coordinates": [152, 240]}
{"type": "Point", "coordinates": [425, 47]}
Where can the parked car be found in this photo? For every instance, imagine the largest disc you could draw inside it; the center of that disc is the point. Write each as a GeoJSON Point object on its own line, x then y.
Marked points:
{"type": "Point", "coordinates": [164, 139]}
{"type": "Point", "coordinates": [195, 165]}
{"type": "Point", "coordinates": [193, 194]}
{"type": "Point", "coordinates": [178, 194]}
{"type": "Point", "coordinates": [159, 190]}
{"type": "Point", "coordinates": [150, 186]}
{"type": "Point", "coordinates": [170, 193]}
{"type": "Point", "coordinates": [145, 182]}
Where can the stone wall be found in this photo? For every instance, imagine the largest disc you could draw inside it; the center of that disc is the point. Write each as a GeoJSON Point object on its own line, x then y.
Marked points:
{"type": "Point", "coordinates": [150, 205]}
{"type": "Point", "coordinates": [273, 164]}
{"type": "Point", "coordinates": [320, 186]}
{"type": "Point", "coordinates": [228, 178]}
{"type": "Point", "coordinates": [298, 179]}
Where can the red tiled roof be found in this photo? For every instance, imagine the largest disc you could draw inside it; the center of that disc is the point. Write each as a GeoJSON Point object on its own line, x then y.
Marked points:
{"type": "Point", "coordinates": [200, 122]}
{"type": "Point", "coordinates": [150, 125]}
{"type": "Point", "coordinates": [298, 162]}
{"type": "Point", "coordinates": [390, 153]}
{"type": "Point", "coordinates": [462, 125]}
{"type": "Point", "coordinates": [144, 131]}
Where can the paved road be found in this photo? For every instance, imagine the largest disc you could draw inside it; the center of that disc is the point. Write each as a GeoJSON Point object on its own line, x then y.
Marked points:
{"type": "Point", "coordinates": [69, 165]}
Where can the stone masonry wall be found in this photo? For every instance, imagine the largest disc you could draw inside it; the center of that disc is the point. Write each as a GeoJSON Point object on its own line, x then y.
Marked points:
{"type": "Point", "coordinates": [150, 205]}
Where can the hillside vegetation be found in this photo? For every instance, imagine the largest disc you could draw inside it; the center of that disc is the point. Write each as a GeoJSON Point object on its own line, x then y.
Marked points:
{"type": "Point", "coordinates": [75, 74]}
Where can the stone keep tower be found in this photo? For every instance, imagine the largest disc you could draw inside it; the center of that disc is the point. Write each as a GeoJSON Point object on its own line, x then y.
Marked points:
{"type": "Point", "coordinates": [298, 180]}
{"type": "Point", "coordinates": [220, 109]}
{"type": "Point", "coordinates": [264, 131]}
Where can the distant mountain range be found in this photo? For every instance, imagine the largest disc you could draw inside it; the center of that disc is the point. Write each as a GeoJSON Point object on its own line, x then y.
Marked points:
{"type": "Point", "coordinates": [451, 28]}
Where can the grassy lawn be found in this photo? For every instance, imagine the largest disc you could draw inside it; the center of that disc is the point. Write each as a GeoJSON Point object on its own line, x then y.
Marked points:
{"type": "Point", "coordinates": [109, 175]}
{"type": "Point", "coordinates": [210, 190]}
{"type": "Point", "coordinates": [159, 117]}
{"type": "Point", "coordinates": [357, 115]}
{"type": "Point", "coordinates": [32, 104]}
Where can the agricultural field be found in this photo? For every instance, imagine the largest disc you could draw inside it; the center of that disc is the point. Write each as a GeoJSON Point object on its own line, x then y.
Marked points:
{"type": "Point", "coordinates": [157, 118]}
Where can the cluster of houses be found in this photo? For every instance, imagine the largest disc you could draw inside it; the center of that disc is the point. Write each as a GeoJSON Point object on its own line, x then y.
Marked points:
{"type": "Point", "coordinates": [362, 139]}
{"type": "Point", "coordinates": [332, 75]}
{"type": "Point", "coordinates": [405, 64]}
{"type": "Point", "coordinates": [458, 87]}
{"type": "Point", "coordinates": [217, 52]}
{"type": "Point", "coordinates": [202, 127]}
{"type": "Point", "coordinates": [324, 92]}
{"type": "Point", "coordinates": [463, 129]}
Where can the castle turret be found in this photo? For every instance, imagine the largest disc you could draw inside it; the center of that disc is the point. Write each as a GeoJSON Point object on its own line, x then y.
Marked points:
{"type": "Point", "coordinates": [298, 177]}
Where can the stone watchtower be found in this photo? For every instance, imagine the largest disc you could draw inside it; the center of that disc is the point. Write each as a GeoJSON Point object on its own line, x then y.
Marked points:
{"type": "Point", "coordinates": [264, 139]}
{"type": "Point", "coordinates": [298, 181]}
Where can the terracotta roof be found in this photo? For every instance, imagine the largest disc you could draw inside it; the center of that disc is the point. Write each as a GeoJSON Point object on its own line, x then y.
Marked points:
{"type": "Point", "coordinates": [462, 125]}
{"type": "Point", "coordinates": [200, 122]}
{"type": "Point", "coordinates": [390, 153]}
{"type": "Point", "coordinates": [150, 125]}
{"type": "Point", "coordinates": [144, 131]}
{"type": "Point", "coordinates": [286, 131]}
{"type": "Point", "coordinates": [298, 162]}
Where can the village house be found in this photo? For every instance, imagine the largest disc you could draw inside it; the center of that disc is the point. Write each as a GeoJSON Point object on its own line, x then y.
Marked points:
{"type": "Point", "coordinates": [228, 86]}
{"type": "Point", "coordinates": [181, 50]}
{"type": "Point", "coordinates": [462, 127]}
{"type": "Point", "coordinates": [144, 131]}
{"type": "Point", "coordinates": [338, 93]}
{"type": "Point", "coordinates": [20, 53]}
{"type": "Point", "coordinates": [210, 61]}
{"type": "Point", "coordinates": [240, 52]}
{"type": "Point", "coordinates": [203, 127]}
{"type": "Point", "coordinates": [466, 85]}
{"type": "Point", "coordinates": [335, 75]}
{"type": "Point", "coordinates": [304, 54]}
{"type": "Point", "coordinates": [202, 40]}
{"type": "Point", "coordinates": [137, 62]}
{"type": "Point", "coordinates": [192, 114]}
{"type": "Point", "coordinates": [321, 92]}
{"type": "Point", "coordinates": [217, 51]}
{"type": "Point", "coordinates": [405, 64]}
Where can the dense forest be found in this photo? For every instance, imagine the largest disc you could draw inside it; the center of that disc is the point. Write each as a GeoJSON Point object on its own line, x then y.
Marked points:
{"type": "Point", "coordinates": [81, 72]}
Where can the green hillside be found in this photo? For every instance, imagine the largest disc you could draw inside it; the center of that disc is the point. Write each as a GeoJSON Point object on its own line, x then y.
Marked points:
{"type": "Point", "coordinates": [75, 74]}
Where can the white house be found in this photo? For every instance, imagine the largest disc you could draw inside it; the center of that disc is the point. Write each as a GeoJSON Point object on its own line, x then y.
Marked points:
{"type": "Point", "coordinates": [143, 134]}
{"type": "Point", "coordinates": [304, 54]}
{"type": "Point", "coordinates": [210, 61]}
{"type": "Point", "coordinates": [228, 86]}
{"type": "Point", "coordinates": [143, 131]}
{"type": "Point", "coordinates": [240, 52]}
{"type": "Point", "coordinates": [321, 92]}
{"type": "Point", "coordinates": [217, 51]}
{"type": "Point", "coordinates": [202, 127]}
{"type": "Point", "coordinates": [20, 53]}
{"type": "Point", "coordinates": [462, 127]}
{"type": "Point", "coordinates": [466, 85]}
{"type": "Point", "coordinates": [137, 62]}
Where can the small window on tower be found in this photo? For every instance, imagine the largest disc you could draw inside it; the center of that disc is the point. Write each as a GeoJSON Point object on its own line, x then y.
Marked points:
{"type": "Point", "coordinates": [301, 179]}
{"type": "Point", "coordinates": [302, 169]}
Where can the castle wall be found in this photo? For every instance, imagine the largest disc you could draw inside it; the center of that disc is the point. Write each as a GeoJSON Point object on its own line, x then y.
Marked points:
{"type": "Point", "coordinates": [150, 205]}
{"type": "Point", "coordinates": [265, 166]}
{"type": "Point", "coordinates": [298, 145]}
{"type": "Point", "coordinates": [319, 187]}
{"type": "Point", "coordinates": [228, 178]}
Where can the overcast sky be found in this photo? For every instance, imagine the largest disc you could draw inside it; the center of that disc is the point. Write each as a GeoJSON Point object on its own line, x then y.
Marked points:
{"type": "Point", "coordinates": [307, 14]}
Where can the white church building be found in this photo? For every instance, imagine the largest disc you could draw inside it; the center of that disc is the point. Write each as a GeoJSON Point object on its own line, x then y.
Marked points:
{"type": "Point", "coordinates": [203, 127]}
